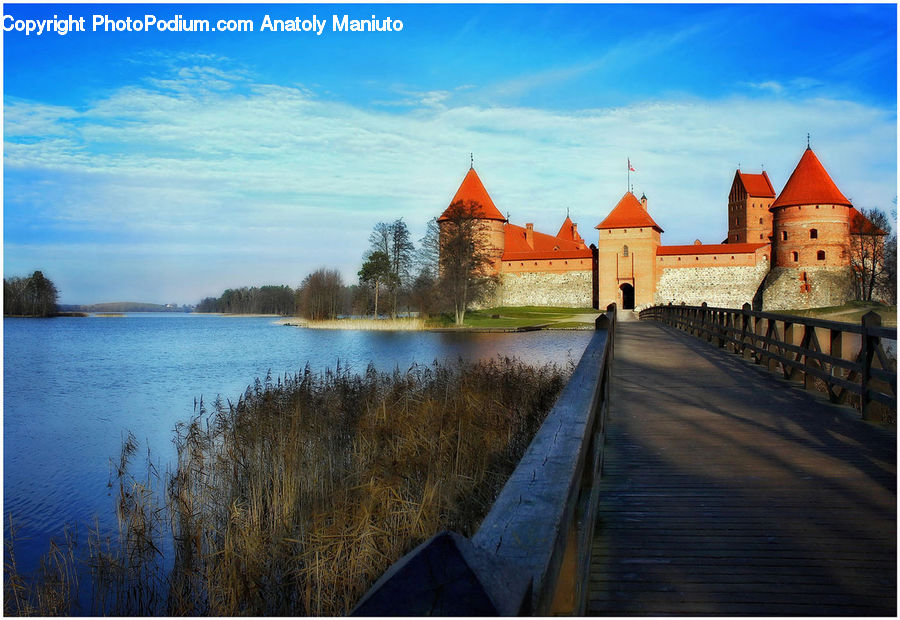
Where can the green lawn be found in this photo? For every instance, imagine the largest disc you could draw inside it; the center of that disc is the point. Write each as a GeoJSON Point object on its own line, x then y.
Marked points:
{"type": "Point", "coordinates": [525, 316]}
{"type": "Point", "coordinates": [850, 312]}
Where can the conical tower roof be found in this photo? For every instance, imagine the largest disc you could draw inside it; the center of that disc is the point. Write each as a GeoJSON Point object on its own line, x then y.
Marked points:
{"type": "Point", "coordinates": [628, 214]}
{"type": "Point", "coordinates": [809, 185]}
{"type": "Point", "coordinates": [472, 190]}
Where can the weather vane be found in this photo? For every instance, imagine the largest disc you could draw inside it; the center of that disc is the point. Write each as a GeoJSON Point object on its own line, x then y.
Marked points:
{"type": "Point", "coordinates": [471, 160]}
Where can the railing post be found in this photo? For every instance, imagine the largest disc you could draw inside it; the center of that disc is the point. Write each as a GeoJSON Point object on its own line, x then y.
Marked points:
{"type": "Point", "coordinates": [746, 331]}
{"type": "Point", "coordinates": [869, 343]}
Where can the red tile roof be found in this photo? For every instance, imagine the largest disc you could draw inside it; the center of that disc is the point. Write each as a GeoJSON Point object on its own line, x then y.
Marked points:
{"type": "Point", "coordinates": [472, 190]}
{"type": "Point", "coordinates": [713, 248]}
{"type": "Point", "coordinates": [545, 246]}
{"type": "Point", "coordinates": [569, 232]}
{"type": "Point", "coordinates": [809, 185]}
{"type": "Point", "coordinates": [861, 225]}
{"type": "Point", "coordinates": [757, 185]}
{"type": "Point", "coordinates": [628, 214]}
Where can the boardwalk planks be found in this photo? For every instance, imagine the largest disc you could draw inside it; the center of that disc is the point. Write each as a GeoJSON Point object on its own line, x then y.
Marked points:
{"type": "Point", "coordinates": [727, 491]}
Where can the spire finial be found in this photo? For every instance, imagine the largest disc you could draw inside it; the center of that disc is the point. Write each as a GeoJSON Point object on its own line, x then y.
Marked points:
{"type": "Point", "coordinates": [567, 211]}
{"type": "Point", "coordinates": [807, 140]}
{"type": "Point", "coordinates": [471, 161]}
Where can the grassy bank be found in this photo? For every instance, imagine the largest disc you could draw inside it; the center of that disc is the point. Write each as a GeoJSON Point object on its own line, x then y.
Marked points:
{"type": "Point", "coordinates": [294, 500]}
{"type": "Point", "coordinates": [851, 312]}
{"type": "Point", "coordinates": [524, 316]}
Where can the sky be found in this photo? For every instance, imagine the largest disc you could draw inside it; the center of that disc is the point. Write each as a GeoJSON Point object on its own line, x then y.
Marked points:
{"type": "Point", "coordinates": [168, 166]}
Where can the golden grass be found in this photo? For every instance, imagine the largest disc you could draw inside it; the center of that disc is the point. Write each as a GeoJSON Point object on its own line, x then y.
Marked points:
{"type": "Point", "coordinates": [294, 500]}
{"type": "Point", "coordinates": [403, 324]}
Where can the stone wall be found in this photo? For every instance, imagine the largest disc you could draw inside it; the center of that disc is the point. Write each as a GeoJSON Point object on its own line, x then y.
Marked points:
{"type": "Point", "coordinates": [571, 289]}
{"type": "Point", "coordinates": [723, 287]}
{"type": "Point", "coordinates": [812, 287]}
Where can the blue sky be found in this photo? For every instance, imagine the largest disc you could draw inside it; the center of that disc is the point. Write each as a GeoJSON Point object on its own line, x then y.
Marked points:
{"type": "Point", "coordinates": [168, 166]}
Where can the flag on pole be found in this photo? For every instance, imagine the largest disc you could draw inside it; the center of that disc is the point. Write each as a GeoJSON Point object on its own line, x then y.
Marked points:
{"type": "Point", "coordinates": [630, 168]}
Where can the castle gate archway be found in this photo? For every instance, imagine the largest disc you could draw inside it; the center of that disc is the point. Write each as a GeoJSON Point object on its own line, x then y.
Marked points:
{"type": "Point", "coordinates": [627, 296]}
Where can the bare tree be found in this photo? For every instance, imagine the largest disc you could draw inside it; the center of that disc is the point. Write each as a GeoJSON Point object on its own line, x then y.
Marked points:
{"type": "Point", "coordinates": [867, 253]}
{"type": "Point", "coordinates": [320, 295]}
{"type": "Point", "coordinates": [465, 259]}
{"type": "Point", "coordinates": [394, 241]}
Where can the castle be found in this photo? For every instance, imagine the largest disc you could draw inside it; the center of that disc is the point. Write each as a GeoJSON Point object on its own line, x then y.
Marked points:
{"type": "Point", "coordinates": [783, 250]}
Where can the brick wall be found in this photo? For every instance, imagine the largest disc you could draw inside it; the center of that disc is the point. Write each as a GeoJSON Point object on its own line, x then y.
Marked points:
{"type": "Point", "coordinates": [571, 289]}
{"type": "Point", "coordinates": [724, 287]}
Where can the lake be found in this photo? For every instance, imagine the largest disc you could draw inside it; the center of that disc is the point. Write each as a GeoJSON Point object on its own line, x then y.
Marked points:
{"type": "Point", "coordinates": [74, 387]}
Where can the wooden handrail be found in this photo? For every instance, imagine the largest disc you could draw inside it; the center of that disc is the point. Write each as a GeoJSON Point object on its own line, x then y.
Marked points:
{"type": "Point", "coordinates": [530, 555]}
{"type": "Point", "coordinates": [847, 358]}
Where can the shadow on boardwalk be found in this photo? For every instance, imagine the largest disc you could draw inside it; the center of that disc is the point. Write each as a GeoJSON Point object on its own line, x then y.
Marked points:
{"type": "Point", "coordinates": [727, 491]}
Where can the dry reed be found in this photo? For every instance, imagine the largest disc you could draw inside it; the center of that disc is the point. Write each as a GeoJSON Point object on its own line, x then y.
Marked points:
{"type": "Point", "coordinates": [295, 499]}
{"type": "Point", "coordinates": [401, 324]}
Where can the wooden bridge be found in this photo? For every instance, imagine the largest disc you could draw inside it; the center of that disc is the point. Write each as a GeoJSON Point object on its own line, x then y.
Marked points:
{"type": "Point", "coordinates": [682, 479]}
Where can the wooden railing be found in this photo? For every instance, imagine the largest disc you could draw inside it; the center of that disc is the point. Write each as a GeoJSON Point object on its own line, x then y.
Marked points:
{"type": "Point", "coordinates": [848, 360]}
{"type": "Point", "coordinates": [530, 555]}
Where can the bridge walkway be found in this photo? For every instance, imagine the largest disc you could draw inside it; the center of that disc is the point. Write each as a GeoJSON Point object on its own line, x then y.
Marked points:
{"type": "Point", "coordinates": [726, 491]}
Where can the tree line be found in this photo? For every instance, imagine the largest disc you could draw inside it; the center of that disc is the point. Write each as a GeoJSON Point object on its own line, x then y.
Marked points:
{"type": "Point", "coordinates": [396, 276]}
{"type": "Point", "coordinates": [34, 295]}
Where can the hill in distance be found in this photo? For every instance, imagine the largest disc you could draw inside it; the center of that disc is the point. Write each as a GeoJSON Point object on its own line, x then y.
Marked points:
{"type": "Point", "coordinates": [124, 306]}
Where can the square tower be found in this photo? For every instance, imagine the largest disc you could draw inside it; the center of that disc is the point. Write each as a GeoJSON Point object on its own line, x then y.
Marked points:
{"type": "Point", "coordinates": [626, 253]}
{"type": "Point", "coordinates": [749, 218]}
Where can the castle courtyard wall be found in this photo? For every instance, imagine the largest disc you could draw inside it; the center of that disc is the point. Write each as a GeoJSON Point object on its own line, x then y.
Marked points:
{"type": "Point", "coordinates": [729, 286]}
{"type": "Point", "coordinates": [570, 289]}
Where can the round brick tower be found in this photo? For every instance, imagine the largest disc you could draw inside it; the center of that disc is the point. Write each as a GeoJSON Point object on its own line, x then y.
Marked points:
{"type": "Point", "coordinates": [472, 195]}
{"type": "Point", "coordinates": [810, 219]}
{"type": "Point", "coordinates": [810, 241]}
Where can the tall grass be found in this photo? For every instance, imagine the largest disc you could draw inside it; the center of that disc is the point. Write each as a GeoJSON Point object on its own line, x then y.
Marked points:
{"type": "Point", "coordinates": [399, 324]}
{"type": "Point", "coordinates": [295, 499]}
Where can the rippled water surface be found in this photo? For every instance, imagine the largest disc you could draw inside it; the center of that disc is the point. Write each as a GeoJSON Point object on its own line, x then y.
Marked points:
{"type": "Point", "coordinates": [72, 387]}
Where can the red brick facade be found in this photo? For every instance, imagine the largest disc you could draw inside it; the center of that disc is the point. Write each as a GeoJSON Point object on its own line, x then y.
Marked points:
{"type": "Point", "coordinates": [807, 225]}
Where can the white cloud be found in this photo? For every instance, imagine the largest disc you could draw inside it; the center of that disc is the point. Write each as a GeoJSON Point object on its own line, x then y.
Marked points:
{"type": "Point", "coordinates": [234, 168]}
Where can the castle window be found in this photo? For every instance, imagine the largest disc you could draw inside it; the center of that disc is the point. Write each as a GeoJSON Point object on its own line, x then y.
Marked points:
{"type": "Point", "coordinates": [813, 233]}
{"type": "Point", "coordinates": [679, 258]}
{"type": "Point", "coordinates": [795, 256]}
{"type": "Point", "coordinates": [760, 235]}
{"type": "Point", "coordinates": [817, 206]}
{"type": "Point", "coordinates": [732, 258]}
{"type": "Point", "coordinates": [820, 255]}
{"type": "Point", "coordinates": [784, 235]}
{"type": "Point", "coordinates": [760, 220]}
{"type": "Point", "coordinates": [625, 251]}
{"type": "Point", "coordinates": [696, 258]}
